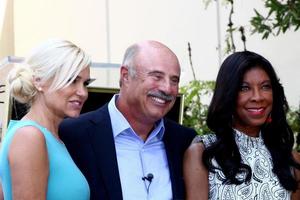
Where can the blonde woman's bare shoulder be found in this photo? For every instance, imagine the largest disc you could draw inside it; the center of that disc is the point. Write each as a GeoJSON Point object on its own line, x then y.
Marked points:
{"type": "Point", "coordinates": [28, 159]}
{"type": "Point", "coordinates": [28, 135]}
{"type": "Point", "coordinates": [28, 142]}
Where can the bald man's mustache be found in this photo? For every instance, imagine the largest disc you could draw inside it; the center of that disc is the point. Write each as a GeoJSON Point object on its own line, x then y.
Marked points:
{"type": "Point", "coordinates": [161, 95]}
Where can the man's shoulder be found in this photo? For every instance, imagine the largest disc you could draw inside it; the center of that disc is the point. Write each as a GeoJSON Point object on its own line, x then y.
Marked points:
{"type": "Point", "coordinates": [77, 127]}
{"type": "Point", "coordinates": [173, 124]}
{"type": "Point", "coordinates": [178, 135]}
{"type": "Point", "coordinates": [177, 128]}
{"type": "Point", "coordinates": [91, 116]}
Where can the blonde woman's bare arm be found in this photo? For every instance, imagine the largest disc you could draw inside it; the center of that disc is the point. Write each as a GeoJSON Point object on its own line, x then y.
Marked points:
{"type": "Point", "coordinates": [29, 164]}
{"type": "Point", "coordinates": [195, 173]}
{"type": "Point", "coordinates": [1, 192]}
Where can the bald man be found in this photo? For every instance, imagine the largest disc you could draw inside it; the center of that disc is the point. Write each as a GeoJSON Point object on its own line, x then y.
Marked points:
{"type": "Point", "coordinates": [127, 149]}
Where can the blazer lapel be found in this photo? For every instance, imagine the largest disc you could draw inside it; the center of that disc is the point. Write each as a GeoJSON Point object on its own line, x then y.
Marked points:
{"type": "Point", "coordinates": [171, 148]}
{"type": "Point", "coordinates": [104, 147]}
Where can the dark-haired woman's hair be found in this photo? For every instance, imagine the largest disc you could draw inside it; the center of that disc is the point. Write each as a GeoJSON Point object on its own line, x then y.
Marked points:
{"type": "Point", "coordinates": [277, 135]}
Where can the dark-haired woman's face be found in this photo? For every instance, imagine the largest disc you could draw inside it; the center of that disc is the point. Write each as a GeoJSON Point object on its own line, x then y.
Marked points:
{"type": "Point", "coordinates": [254, 101]}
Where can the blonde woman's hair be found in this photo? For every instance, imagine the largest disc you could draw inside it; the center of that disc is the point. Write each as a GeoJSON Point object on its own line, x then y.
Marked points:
{"type": "Point", "coordinates": [58, 61]}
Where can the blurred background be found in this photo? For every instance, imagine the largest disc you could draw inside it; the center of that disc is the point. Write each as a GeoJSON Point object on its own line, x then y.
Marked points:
{"type": "Point", "coordinates": [105, 28]}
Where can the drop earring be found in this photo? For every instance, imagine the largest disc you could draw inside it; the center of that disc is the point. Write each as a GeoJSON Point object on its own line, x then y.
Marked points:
{"type": "Point", "coordinates": [269, 119]}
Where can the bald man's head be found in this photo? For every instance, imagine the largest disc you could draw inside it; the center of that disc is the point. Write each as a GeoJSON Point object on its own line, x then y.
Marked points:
{"type": "Point", "coordinates": [136, 53]}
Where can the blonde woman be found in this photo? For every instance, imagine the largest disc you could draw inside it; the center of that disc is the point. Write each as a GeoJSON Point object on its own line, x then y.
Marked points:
{"type": "Point", "coordinates": [34, 162]}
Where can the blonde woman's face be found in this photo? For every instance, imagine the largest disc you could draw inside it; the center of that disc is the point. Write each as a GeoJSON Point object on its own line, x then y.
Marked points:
{"type": "Point", "coordinates": [68, 101]}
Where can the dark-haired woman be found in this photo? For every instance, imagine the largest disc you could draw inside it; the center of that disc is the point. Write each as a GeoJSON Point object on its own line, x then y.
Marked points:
{"type": "Point", "coordinates": [250, 154]}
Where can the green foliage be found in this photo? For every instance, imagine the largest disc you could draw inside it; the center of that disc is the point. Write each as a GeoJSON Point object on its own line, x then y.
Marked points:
{"type": "Point", "coordinates": [282, 15]}
{"type": "Point", "coordinates": [293, 118]}
{"type": "Point", "coordinates": [197, 95]}
{"type": "Point", "coordinates": [280, 18]}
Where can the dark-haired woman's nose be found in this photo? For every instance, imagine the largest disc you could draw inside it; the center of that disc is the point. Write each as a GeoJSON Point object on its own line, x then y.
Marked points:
{"type": "Point", "coordinates": [257, 94]}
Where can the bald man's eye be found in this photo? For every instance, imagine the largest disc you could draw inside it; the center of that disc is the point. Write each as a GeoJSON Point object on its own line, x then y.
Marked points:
{"type": "Point", "coordinates": [156, 76]}
{"type": "Point", "coordinates": [175, 80]}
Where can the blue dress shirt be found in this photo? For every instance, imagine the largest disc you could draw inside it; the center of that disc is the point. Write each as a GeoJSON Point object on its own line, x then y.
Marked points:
{"type": "Point", "coordinates": [137, 158]}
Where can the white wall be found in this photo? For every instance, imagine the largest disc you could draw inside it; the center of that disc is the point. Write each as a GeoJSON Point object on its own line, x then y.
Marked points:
{"type": "Point", "coordinates": [173, 22]}
{"type": "Point", "coordinates": [6, 28]}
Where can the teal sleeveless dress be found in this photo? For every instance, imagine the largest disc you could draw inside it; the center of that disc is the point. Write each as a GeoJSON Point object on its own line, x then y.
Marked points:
{"type": "Point", "coordinates": [65, 181]}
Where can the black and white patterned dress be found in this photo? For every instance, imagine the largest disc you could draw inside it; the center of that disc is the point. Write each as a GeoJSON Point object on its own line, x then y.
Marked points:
{"type": "Point", "coordinates": [264, 184]}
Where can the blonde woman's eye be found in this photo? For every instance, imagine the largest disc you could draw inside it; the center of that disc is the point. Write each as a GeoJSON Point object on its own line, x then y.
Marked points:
{"type": "Point", "coordinates": [87, 82]}
{"type": "Point", "coordinates": [75, 81]}
{"type": "Point", "coordinates": [70, 80]}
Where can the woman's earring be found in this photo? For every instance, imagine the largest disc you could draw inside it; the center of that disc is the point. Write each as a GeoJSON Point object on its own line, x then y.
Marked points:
{"type": "Point", "coordinates": [269, 119]}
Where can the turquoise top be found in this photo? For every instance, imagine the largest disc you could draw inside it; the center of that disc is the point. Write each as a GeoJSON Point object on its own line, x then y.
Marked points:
{"type": "Point", "coordinates": [65, 181]}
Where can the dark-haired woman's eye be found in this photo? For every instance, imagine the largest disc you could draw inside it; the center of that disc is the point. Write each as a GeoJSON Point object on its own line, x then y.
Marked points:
{"type": "Point", "coordinates": [244, 88]}
{"type": "Point", "coordinates": [267, 86]}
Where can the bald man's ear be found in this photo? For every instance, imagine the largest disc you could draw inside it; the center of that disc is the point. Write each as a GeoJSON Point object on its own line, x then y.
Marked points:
{"type": "Point", "coordinates": [124, 74]}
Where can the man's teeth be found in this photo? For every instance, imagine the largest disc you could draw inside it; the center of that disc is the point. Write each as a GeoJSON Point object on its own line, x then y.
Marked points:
{"type": "Point", "coordinates": [158, 100]}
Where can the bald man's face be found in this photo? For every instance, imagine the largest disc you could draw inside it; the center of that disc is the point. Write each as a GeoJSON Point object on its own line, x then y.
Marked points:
{"type": "Point", "coordinates": [152, 92]}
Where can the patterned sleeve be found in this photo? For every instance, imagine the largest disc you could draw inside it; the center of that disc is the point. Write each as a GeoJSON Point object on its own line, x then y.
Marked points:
{"type": "Point", "coordinates": [207, 139]}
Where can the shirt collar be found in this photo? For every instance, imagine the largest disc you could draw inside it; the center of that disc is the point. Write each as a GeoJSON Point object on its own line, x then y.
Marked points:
{"type": "Point", "coordinates": [116, 116]}
{"type": "Point", "coordinates": [158, 130]}
{"type": "Point", "coordinates": [122, 124]}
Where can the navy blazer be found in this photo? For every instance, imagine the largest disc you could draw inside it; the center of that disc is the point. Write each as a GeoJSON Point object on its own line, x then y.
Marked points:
{"type": "Point", "coordinates": [89, 139]}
